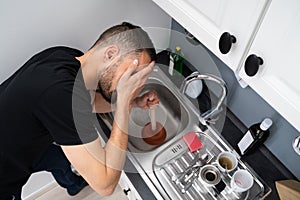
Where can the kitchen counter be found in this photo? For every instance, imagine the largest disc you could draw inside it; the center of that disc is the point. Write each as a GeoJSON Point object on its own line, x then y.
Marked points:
{"type": "Point", "coordinates": [262, 161]}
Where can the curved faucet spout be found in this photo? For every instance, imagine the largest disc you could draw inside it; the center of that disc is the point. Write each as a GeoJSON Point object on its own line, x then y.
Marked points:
{"type": "Point", "coordinates": [205, 117]}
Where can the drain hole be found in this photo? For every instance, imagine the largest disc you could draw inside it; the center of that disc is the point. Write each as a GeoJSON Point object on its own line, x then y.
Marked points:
{"type": "Point", "coordinates": [210, 176]}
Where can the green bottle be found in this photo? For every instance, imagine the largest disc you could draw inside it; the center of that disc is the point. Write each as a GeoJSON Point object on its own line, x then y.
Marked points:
{"type": "Point", "coordinates": [178, 60]}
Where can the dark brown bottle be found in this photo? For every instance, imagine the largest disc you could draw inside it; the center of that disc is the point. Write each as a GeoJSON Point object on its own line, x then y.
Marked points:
{"type": "Point", "coordinates": [255, 136]}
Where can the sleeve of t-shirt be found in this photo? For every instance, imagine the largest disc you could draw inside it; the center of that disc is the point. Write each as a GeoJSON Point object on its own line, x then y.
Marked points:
{"type": "Point", "coordinates": [67, 114]}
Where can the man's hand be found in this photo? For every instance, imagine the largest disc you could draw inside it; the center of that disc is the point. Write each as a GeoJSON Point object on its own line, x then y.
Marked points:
{"type": "Point", "coordinates": [129, 86]}
{"type": "Point", "coordinates": [147, 100]}
{"type": "Point", "coordinates": [131, 83]}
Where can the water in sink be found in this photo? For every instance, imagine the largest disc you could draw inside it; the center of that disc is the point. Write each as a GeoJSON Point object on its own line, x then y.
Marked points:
{"type": "Point", "coordinates": [169, 113]}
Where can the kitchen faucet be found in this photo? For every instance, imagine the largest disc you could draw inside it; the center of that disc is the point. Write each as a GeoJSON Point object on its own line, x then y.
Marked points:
{"type": "Point", "coordinates": [207, 116]}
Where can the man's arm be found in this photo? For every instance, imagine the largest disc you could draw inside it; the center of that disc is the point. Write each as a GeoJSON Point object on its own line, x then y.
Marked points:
{"type": "Point", "coordinates": [101, 167]}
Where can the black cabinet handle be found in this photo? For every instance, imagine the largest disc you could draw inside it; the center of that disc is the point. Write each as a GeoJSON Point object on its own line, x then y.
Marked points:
{"type": "Point", "coordinates": [126, 191]}
{"type": "Point", "coordinates": [225, 42]}
{"type": "Point", "coordinates": [252, 64]}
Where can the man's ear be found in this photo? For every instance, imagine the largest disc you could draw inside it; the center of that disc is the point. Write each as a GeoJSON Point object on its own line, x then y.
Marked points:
{"type": "Point", "coordinates": [111, 52]}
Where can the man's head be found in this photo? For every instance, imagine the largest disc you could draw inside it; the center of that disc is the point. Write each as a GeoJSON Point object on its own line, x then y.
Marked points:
{"type": "Point", "coordinates": [120, 45]}
{"type": "Point", "coordinates": [129, 38]}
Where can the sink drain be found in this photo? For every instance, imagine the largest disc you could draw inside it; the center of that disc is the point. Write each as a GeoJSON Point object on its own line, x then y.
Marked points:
{"type": "Point", "coordinates": [210, 175]}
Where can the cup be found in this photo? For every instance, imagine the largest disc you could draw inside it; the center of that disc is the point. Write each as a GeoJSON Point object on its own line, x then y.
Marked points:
{"type": "Point", "coordinates": [227, 161]}
{"type": "Point", "coordinates": [241, 181]}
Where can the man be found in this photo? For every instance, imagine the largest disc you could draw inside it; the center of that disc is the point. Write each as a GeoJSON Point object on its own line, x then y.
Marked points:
{"type": "Point", "coordinates": [51, 99]}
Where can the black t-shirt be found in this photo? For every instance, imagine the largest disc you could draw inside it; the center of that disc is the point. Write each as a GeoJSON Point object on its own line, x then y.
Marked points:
{"type": "Point", "coordinates": [45, 101]}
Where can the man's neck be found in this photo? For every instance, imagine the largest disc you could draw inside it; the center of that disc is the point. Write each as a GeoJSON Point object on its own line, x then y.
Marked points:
{"type": "Point", "coordinates": [89, 72]}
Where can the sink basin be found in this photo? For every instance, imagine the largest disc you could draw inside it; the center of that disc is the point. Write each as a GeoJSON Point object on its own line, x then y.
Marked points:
{"type": "Point", "coordinates": [170, 113]}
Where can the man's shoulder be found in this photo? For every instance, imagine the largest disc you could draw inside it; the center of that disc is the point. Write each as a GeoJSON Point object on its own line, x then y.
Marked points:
{"type": "Point", "coordinates": [56, 62]}
{"type": "Point", "coordinates": [54, 55]}
{"type": "Point", "coordinates": [53, 67]}
{"type": "Point", "coordinates": [61, 49]}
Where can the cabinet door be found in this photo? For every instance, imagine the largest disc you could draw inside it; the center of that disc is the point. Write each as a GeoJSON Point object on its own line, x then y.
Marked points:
{"type": "Point", "coordinates": [278, 44]}
{"type": "Point", "coordinates": [128, 188]}
{"type": "Point", "coordinates": [208, 20]}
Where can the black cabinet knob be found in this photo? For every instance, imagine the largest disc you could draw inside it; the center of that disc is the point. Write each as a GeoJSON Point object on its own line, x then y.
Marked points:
{"type": "Point", "coordinates": [126, 191]}
{"type": "Point", "coordinates": [225, 42]}
{"type": "Point", "coordinates": [252, 64]}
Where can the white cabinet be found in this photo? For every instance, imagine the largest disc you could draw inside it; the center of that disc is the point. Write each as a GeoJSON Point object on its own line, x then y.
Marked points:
{"type": "Point", "coordinates": [208, 20]}
{"type": "Point", "coordinates": [128, 188]}
{"type": "Point", "coordinates": [263, 29]}
{"type": "Point", "coordinates": [278, 43]}
{"type": "Point", "coordinates": [38, 184]}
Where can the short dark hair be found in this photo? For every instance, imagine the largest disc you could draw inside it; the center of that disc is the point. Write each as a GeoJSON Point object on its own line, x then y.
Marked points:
{"type": "Point", "coordinates": [130, 38]}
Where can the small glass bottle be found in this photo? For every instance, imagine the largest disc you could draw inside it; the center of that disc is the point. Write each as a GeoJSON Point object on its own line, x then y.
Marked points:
{"type": "Point", "coordinates": [255, 136]}
{"type": "Point", "coordinates": [178, 59]}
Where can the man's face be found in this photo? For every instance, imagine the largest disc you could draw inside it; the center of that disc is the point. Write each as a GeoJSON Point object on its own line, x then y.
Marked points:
{"type": "Point", "coordinates": [108, 79]}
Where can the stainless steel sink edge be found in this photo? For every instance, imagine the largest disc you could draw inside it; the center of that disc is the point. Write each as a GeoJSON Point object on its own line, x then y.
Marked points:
{"type": "Point", "coordinates": [155, 189]}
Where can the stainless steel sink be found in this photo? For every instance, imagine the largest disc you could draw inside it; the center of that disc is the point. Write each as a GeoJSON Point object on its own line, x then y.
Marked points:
{"type": "Point", "coordinates": [156, 164]}
{"type": "Point", "coordinates": [170, 113]}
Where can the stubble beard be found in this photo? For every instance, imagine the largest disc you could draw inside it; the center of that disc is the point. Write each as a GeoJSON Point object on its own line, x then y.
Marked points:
{"type": "Point", "coordinates": [105, 83]}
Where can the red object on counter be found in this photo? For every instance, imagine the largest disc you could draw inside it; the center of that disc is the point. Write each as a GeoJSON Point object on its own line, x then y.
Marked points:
{"type": "Point", "coordinates": [193, 142]}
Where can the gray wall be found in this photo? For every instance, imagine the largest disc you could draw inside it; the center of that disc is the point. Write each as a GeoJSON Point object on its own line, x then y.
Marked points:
{"type": "Point", "coordinates": [31, 26]}
{"type": "Point", "coordinates": [246, 104]}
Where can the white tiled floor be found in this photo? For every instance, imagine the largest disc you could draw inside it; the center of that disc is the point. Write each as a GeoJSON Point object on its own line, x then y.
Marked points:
{"type": "Point", "coordinates": [59, 193]}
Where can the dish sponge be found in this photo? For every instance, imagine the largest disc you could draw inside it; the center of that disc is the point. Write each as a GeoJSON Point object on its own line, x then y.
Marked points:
{"type": "Point", "coordinates": [192, 141]}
